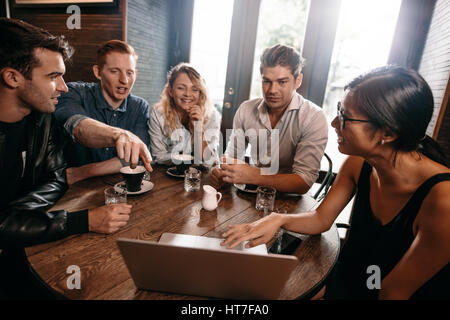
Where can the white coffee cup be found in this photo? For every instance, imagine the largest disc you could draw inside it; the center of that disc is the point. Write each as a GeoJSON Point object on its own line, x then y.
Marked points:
{"type": "Point", "coordinates": [210, 201]}
{"type": "Point", "coordinates": [182, 162]}
{"type": "Point", "coordinates": [182, 158]}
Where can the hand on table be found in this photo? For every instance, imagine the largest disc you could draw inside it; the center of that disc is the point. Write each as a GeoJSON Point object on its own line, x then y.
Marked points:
{"type": "Point", "coordinates": [237, 171]}
{"type": "Point", "coordinates": [217, 174]}
{"type": "Point", "coordinates": [216, 178]}
{"type": "Point", "coordinates": [109, 218]}
{"type": "Point", "coordinates": [258, 232]}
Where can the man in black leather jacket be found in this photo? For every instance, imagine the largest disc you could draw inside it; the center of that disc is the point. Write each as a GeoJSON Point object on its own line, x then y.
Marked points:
{"type": "Point", "coordinates": [32, 167]}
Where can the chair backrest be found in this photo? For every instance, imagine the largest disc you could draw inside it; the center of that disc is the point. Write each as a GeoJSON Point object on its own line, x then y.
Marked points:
{"type": "Point", "coordinates": [326, 182]}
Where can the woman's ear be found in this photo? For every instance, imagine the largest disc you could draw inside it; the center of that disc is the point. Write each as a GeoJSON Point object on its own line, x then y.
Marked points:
{"type": "Point", "coordinates": [388, 136]}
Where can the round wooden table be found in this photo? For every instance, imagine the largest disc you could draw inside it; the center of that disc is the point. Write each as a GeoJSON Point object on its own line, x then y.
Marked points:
{"type": "Point", "coordinates": [166, 208]}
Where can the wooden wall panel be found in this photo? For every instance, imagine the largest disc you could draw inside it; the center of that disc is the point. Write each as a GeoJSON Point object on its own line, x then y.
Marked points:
{"type": "Point", "coordinates": [98, 24]}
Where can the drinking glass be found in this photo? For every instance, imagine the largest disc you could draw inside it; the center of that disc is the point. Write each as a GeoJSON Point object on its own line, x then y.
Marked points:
{"type": "Point", "coordinates": [115, 195]}
{"type": "Point", "coordinates": [265, 199]}
{"type": "Point", "coordinates": [192, 180]}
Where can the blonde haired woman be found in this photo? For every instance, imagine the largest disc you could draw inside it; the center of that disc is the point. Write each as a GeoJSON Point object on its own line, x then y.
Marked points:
{"type": "Point", "coordinates": [183, 117]}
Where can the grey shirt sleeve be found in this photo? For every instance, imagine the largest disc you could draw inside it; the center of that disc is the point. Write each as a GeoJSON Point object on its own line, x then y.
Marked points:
{"type": "Point", "coordinates": [158, 145]}
{"type": "Point", "coordinates": [310, 148]}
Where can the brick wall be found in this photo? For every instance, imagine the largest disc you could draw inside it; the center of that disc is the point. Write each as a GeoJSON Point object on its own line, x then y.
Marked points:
{"type": "Point", "coordinates": [148, 31]}
{"type": "Point", "coordinates": [435, 64]}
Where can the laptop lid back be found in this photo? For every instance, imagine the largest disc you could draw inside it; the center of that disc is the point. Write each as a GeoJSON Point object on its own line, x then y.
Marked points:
{"type": "Point", "coordinates": [206, 272]}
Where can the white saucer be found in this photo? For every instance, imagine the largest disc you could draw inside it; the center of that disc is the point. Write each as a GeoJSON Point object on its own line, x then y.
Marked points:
{"type": "Point", "coordinates": [172, 171]}
{"type": "Point", "coordinates": [145, 187]}
{"type": "Point", "coordinates": [242, 187]}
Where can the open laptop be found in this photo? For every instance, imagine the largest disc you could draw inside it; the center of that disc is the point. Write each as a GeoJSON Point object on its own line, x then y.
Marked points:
{"type": "Point", "coordinates": [194, 265]}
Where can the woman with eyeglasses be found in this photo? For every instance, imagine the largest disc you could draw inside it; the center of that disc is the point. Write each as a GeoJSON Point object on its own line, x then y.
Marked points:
{"type": "Point", "coordinates": [401, 182]}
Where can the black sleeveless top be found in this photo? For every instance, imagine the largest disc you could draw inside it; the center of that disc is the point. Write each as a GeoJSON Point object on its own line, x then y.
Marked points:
{"type": "Point", "coordinates": [371, 243]}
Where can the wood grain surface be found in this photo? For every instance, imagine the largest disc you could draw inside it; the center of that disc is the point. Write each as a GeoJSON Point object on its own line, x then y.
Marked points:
{"type": "Point", "coordinates": [166, 208]}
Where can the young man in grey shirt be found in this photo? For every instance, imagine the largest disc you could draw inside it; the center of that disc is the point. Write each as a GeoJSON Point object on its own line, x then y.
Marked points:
{"type": "Point", "coordinates": [286, 132]}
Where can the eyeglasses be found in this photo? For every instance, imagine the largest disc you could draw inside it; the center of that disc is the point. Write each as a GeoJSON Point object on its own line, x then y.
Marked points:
{"type": "Point", "coordinates": [342, 117]}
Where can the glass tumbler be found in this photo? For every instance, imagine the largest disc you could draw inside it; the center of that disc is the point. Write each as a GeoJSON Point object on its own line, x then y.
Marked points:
{"type": "Point", "coordinates": [265, 199]}
{"type": "Point", "coordinates": [192, 180]}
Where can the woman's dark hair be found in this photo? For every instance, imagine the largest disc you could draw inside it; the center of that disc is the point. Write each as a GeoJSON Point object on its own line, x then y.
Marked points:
{"type": "Point", "coordinates": [19, 39]}
{"type": "Point", "coordinates": [399, 99]}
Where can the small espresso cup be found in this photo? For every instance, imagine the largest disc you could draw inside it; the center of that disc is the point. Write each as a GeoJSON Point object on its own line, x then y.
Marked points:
{"type": "Point", "coordinates": [133, 177]}
{"type": "Point", "coordinates": [182, 162]}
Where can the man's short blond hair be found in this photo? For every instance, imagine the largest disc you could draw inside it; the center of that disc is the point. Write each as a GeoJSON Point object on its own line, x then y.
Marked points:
{"type": "Point", "coordinates": [113, 46]}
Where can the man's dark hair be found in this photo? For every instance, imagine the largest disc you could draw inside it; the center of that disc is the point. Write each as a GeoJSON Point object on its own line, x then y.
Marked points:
{"type": "Point", "coordinates": [280, 55]}
{"type": "Point", "coordinates": [19, 39]}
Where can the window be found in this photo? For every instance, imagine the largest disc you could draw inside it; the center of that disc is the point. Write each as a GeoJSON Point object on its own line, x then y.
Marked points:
{"type": "Point", "coordinates": [363, 40]}
{"type": "Point", "coordinates": [210, 41]}
{"type": "Point", "coordinates": [280, 21]}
